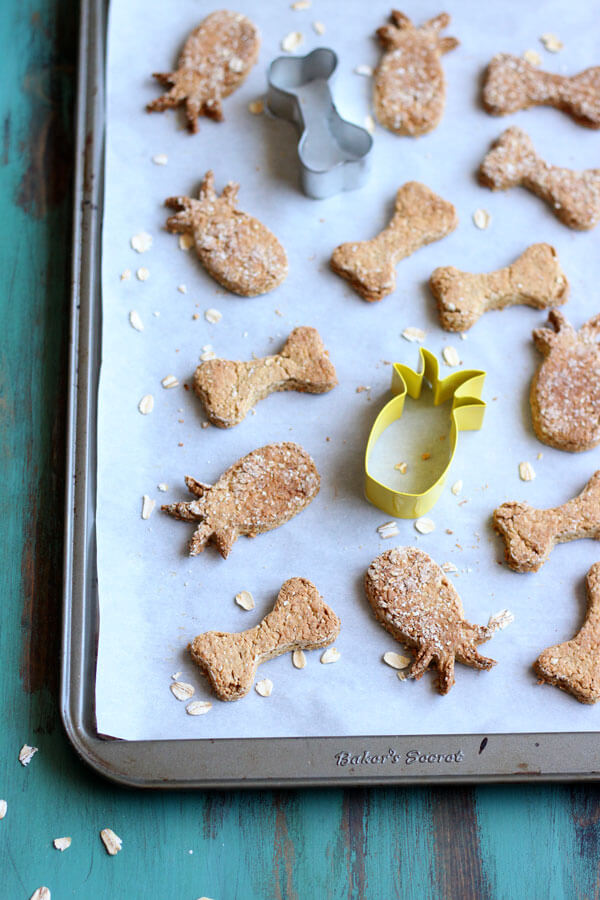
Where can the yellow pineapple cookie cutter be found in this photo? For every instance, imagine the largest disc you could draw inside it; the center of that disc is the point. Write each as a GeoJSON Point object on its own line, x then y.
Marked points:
{"type": "Point", "coordinates": [467, 413]}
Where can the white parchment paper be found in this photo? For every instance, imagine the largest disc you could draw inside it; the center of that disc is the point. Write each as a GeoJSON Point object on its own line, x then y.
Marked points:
{"type": "Point", "coordinates": [153, 598]}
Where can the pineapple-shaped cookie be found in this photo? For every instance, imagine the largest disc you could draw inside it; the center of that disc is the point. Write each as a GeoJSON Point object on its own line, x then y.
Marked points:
{"type": "Point", "coordinates": [215, 60]}
{"type": "Point", "coordinates": [410, 89]}
{"type": "Point", "coordinates": [565, 392]}
{"type": "Point", "coordinates": [235, 248]}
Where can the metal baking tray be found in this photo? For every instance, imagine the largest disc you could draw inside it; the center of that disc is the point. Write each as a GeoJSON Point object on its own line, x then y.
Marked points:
{"type": "Point", "coordinates": [233, 763]}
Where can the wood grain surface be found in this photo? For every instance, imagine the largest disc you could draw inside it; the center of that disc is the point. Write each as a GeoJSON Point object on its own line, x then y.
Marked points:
{"type": "Point", "coordinates": [505, 842]}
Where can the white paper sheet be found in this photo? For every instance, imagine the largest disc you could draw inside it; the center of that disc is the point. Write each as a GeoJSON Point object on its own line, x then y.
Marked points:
{"type": "Point", "coordinates": [153, 598]}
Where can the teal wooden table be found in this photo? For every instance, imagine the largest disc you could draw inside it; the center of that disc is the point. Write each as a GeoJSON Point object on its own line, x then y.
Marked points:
{"type": "Point", "coordinates": [517, 842]}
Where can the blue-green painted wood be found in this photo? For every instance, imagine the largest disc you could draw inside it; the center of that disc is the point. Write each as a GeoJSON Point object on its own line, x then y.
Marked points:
{"type": "Point", "coordinates": [493, 842]}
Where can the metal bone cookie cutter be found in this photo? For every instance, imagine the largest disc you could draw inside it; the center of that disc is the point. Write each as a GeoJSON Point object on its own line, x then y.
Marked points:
{"type": "Point", "coordinates": [467, 415]}
{"type": "Point", "coordinates": [333, 153]}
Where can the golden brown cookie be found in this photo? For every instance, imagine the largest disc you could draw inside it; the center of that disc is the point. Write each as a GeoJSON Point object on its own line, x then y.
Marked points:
{"type": "Point", "coordinates": [534, 279]}
{"type": "Point", "coordinates": [261, 491]}
{"type": "Point", "coordinates": [229, 390]}
{"type": "Point", "coordinates": [575, 665]}
{"type": "Point", "coordinates": [215, 60]}
{"type": "Point", "coordinates": [413, 600]}
{"type": "Point", "coordinates": [530, 534]}
{"type": "Point", "coordinates": [511, 84]}
{"type": "Point", "coordinates": [300, 620]}
{"type": "Point", "coordinates": [420, 218]}
{"type": "Point", "coordinates": [565, 391]}
{"type": "Point", "coordinates": [410, 89]}
{"type": "Point", "coordinates": [574, 197]}
{"type": "Point", "coordinates": [235, 248]}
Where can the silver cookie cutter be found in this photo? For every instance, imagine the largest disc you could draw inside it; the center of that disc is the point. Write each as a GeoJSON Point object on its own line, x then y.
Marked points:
{"type": "Point", "coordinates": [333, 153]}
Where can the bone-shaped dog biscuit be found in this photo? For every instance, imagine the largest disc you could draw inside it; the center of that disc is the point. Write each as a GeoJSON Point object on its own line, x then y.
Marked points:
{"type": "Point", "coordinates": [420, 217]}
{"type": "Point", "coordinates": [530, 534]}
{"type": "Point", "coordinates": [413, 600]}
{"type": "Point", "coordinates": [565, 390]}
{"type": "Point", "coordinates": [238, 251]}
{"type": "Point", "coordinates": [575, 665]}
{"type": "Point", "coordinates": [573, 196]}
{"type": "Point", "coordinates": [228, 390]}
{"type": "Point", "coordinates": [300, 620]}
{"type": "Point", "coordinates": [511, 84]}
{"type": "Point", "coordinates": [259, 492]}
{"type": "Point", "coordinates": [534, 279]}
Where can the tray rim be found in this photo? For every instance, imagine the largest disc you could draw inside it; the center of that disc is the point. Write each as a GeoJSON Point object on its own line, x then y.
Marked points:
{"type": "Point", "coordinates": [236, 762]}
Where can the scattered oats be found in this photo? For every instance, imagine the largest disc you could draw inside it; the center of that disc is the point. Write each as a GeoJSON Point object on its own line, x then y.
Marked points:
{"type": "Point", "coordinates": [208, 354]}
{"type": "Point", "coordinates": [62, 844]}
{"type": "Point", "coordinates": [198, 708]}
{"type": "Point", "coordinates": [532, 57]}
{"type": "Point", "coordinates": [3, 808]}
{"type": "Point", "coordinates": [278, 313]}
{"type": "Point", "coordinates": [162, 487]}
{"type": "Point", "coordinates": [181, 690]}
{"type": "Point", "coordinates": [413, 334]}
{"type": "Point", "coordinates": [135, 320]}
{"type": "Point", "coordinates": [331, 655]}
{"type": "Point", "coordinates": [41, 893]}
{"type": "Point", "coordinates": [196, 316]}
{"type": "Point", "coordinates": [236, 64]}
{"type": "Point", "coordinates": [463, 336]}
{"type": "Point", "coordinates": [245, 600]}
{"type": "Point", "coordinates": [291, 41]}
{"type": "Point", "coordinates": [318, 27]}
{"type": "Point", "coordinates": [501, 619]}
{"type": "Point", "coordinates": [147, 506]}
{"type": "Point", "coordinates": [146, 404]}
{"type": "Point", "coordinates": [540, 455]}
{"type": "Point", "coordinates": [481, 218]}
{"type": "Point", "coordinates": [425, 456]}
{"type": "Point", "coordinates": [551, 42]}
{"type": "Point", "coordinates": [170, 381]}
{"type": "Point", "coordinates": [449, 531]}
{"type": "Point", "coordinates": [176, 676]}
{"type": "Point", "coordinates": [299, 659]}
{"type": "Point", "coordinates": [125, 274]}
{"type": "Point", "coordinates": [161, 159]}
{"type": "Point", "coordinates": [186, 242]}
{"type": "Point", "coordinates": [362, 388]}
{"type": "Point", "coordinates": [264, 687]}
{"type": "Point", "coordinates": [396, 660]}
{"type": "Point", "coordinates": [388, 530]}
{"type": "Point", "coordinates": [424, 525]}
{"type": "Point", "coordinates": [363, 69]}
{"type": "Point", "coordinates": [401, 676]}
{"type": "Point", "coordinates": [451, 357]}
{"type": "Point", "coordinates": [142, 274]}
{"type": "Point", "coordinates": [182, 288]}
{"type": "Point", "coordinates": [26, 754]}
{"type": "Point", "coordinates": [401, 467]}
{"type": "Point", "coordinates": [111, 841]}
{"type": "Point", "coordinates": [213, 316]}
{"type": "Point", "coordinates": [526, 471]}
{"type": "Point", "coordinates": [370, 124]}
{"type": "Point", "coordinates": [141, 242]}
{"type": "Point", "coordinates": [449, 567]}
{"type": "Point", "coordinates": [457, 487]}
{"type": "Point", "coordinates": [256, 107]}
{"type": "Point", "coordinates": [301, 4]}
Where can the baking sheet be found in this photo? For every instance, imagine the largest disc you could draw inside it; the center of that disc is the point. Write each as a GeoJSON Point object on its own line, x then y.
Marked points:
{"type": "Point", "coordinates": [153, 598]}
